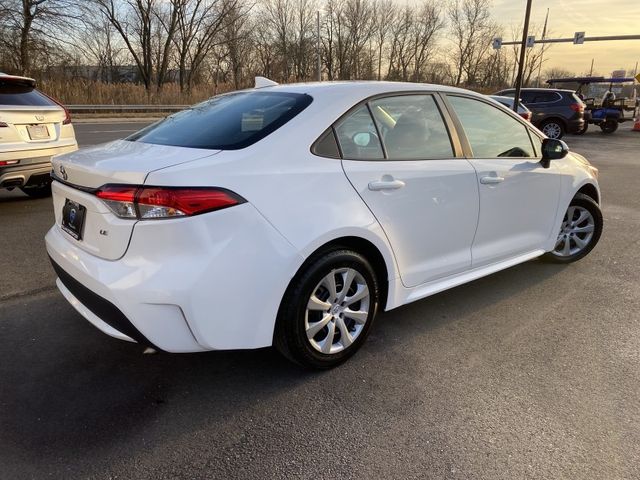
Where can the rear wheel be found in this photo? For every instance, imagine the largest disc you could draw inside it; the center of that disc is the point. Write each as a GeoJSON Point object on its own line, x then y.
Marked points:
{"type": "Point", "coordinates": [552, 129]}
{"type": "Point", "coordinates": [609, 126]}
{"type": "Point", "coordinates": [328, 309]}
{"type": "Point", "coordinates": [580, 231]}
{"type": "Point", "coordinates": [584, 129]}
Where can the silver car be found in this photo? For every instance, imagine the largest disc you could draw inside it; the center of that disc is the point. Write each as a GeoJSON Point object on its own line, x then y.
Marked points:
{"type": "Point", "coordinates": [33, 128]}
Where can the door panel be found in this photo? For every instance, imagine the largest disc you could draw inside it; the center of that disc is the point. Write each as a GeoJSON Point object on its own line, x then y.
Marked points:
{"type": "Point", "coordinates": [430, 220]}
{"type": "Point", "coordinates": [517, 213]}
{"type": "Point", "coordinates": [518, 197]}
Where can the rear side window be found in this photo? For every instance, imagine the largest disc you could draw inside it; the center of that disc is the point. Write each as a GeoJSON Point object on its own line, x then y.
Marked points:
{"type": "Point", "coordinates": [491, 132]}
{"type": "Point", "coordinates": [412, 127]}
{"type": "Point", "coordinates": [226, 122]}
{"type": "Point", "coordinates": [12, 94]}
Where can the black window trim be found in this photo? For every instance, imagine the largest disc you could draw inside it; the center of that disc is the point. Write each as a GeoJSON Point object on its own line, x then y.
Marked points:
{"type": "Point", "coordinates": [466, 145]}
{"type": "Point", "coordinates": [452, 130]}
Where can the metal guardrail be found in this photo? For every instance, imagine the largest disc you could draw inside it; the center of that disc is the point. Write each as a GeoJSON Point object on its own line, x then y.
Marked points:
{"type": "Point", "coordinates": [125, 108]}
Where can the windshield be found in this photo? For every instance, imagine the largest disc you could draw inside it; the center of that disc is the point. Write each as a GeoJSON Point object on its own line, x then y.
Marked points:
{"type": "Point", "coordinates": [226, 122]}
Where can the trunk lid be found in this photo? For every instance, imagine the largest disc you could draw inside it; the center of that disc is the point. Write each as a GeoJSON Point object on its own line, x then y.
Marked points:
{"type": "Point", "coordinates": [121, 162]}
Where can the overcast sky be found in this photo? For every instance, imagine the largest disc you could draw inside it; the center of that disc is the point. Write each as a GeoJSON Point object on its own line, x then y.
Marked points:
{"type": "Point", "coordinates": [595, 17]}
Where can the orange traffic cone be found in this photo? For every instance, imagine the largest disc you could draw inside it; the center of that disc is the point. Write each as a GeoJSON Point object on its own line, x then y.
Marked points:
{"type": "Point", "coordinates": [636, 125]}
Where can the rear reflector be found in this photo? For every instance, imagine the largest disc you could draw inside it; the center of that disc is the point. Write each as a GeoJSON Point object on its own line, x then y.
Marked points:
{"type": "Point", "coordinates": [142, 202]}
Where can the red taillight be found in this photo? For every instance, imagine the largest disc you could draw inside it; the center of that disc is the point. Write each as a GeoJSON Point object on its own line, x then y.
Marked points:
{"type": "Point", "coordinates": [142, 202]}
{"type": "Point", "coordinates": [526, 116]}
{"type": "Point", "coordinates": [4, 163]}
{"type": "Point", "coordinates": [67, 114]}
{"type": "Point", "coordinates": [577, 107]}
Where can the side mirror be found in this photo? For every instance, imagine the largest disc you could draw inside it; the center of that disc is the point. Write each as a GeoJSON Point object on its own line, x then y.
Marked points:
{"type": "Point", "coordinates": [362, 139]}
{"type": "Point", "coordinates": [553, 149]}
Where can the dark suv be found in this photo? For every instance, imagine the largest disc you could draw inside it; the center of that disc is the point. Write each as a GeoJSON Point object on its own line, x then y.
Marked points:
{"type": "Point", "coordinates": [555, 111]}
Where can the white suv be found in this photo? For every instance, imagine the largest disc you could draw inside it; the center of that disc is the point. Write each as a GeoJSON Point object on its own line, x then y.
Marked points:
{"type": "Point", "coordinates": [33, 129]}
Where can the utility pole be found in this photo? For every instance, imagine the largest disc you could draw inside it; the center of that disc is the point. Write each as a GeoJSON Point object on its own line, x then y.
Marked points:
{"type": "Point", "coordinates": [591, 70]}
{"type": "Point", "coordinates": [523, 47]}
{"type": "Point", "coordinates": [318, 40]}
{"type": "Point", "coordinates": [544, 35]}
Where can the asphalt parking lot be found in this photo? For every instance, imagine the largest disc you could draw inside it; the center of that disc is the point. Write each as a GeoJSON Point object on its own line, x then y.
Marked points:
{"type": "Point", "coordinates": [533, 372]}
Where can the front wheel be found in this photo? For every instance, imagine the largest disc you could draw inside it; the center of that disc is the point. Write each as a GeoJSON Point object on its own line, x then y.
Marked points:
{"type": "Point", "coordinates": [328, 310]}
{"type": "Point", "coordinates": [580, 231]}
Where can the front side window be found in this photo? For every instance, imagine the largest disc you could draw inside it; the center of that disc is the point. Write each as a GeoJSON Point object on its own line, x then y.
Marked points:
{"type": "Point", "coordinates": [411, 127]}
{"type": "Point", "coordinates": [491, 132]}
{"type": "Point", "coordinates": [358, 137]}
{"type": "Point", "coordinates": [226, 122]}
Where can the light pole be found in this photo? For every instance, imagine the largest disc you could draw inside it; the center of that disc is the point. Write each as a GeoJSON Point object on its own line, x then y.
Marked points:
{"type": "Point", "coordinates": [523, 46]}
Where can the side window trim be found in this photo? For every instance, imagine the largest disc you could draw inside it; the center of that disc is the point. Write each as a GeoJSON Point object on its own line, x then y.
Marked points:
{"type": "Point", "coordinates": [375, 124]}
{"type": "Point", "coordinates": [463, 136]}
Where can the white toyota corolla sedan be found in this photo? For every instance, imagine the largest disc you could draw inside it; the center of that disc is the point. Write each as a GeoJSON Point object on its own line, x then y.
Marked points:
{"type": "Point", "coordinates": [289, 215]}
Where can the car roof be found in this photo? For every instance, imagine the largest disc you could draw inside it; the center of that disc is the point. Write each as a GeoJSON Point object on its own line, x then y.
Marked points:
{"type": "Point", "coordinates": [531, 89]}
{"type": "Point", "coordinates": [360, 88]}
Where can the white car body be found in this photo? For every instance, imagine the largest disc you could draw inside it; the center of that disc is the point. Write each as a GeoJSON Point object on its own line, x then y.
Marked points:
{"type": "Point", "coordinates": [23, 115]}
{"type": "Point", "coordinates": [216, 280]}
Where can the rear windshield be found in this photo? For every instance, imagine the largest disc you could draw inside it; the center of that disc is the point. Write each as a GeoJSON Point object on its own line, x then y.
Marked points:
{"type": "Point", "coordinates": [226, 122]}
{"type": "Point", "coordinates": [12, 94]}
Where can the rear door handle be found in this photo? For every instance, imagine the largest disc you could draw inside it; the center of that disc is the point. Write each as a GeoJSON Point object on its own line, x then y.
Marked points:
{"type": "Point", "coordinates": [386, 185]}
{"type": "Point", "coordinates": [491, 180]}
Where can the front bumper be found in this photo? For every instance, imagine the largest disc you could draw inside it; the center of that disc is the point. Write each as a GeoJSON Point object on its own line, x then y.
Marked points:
{"type": "Point", "coordinates": [209, 282]}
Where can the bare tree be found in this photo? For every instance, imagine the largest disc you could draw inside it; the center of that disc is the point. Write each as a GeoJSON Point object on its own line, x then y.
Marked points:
{"type": "Point", "coordinates": [472, 30]}
{"type": "Point", "coordinates": [32, 28]}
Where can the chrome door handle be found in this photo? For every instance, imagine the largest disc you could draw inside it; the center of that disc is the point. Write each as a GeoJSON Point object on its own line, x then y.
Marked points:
{"type": "Point", "coordinates": [491, 180]}
{"type": "Point", "coordinates": [386, 185]}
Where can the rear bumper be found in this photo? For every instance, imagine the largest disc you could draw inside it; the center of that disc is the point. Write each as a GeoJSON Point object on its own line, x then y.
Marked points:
{"type": "Point", "coordinates": [20, 175]}
{"type": "Point", "coordinates": [32, 165]}
{"type": "Point", "coordinates": [575, 125]}
{"type": "Point", "coordinates": [210, 282]}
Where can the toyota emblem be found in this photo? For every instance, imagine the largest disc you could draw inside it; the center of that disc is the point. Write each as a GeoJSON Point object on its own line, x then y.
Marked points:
{"type": "Point", "coordinates": [63, 172]}
{"type": "Point", "coordinates": [39, 118]}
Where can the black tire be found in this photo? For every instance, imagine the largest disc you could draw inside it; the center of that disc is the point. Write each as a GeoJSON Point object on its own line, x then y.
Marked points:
{"type": "Point", "coordinates": [38, 191]}
{"type": "Point", "coordinates": [589, 204]}
{"type": "Point", "coordinates": [290, 337]}
{"type": "Point", "coordinates": [555, 126]}
{"type": "Point", "coordinates": [583, 130]}
{"type": "Point", "coordinates": [609, 126]}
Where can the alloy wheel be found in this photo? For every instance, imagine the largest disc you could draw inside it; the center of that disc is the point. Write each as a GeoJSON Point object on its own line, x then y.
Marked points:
{"type": "Point", "coordinates": [552, 130]}
{"type": "Point", "coordinates": [576, 232]}
{"type": "Point", "coordinates": [337, 310]}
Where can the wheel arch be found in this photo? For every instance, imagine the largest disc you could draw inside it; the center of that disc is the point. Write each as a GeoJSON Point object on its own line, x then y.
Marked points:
{"type": "Point", "coordinates": [590, 190]}
{"type": "Point", "coordinates": [556, 118]}
{"type": "Point", "coordinates": [367, 249]}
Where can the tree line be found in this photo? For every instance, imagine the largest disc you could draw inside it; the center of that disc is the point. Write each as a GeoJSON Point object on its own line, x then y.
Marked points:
{"type": "Point", "coordinates": [228, 42]}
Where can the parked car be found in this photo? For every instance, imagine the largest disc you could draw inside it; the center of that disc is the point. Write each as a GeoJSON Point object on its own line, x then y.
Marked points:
{"type": "Point", "coordinates": [555, 111]}
{"type": "Point", "coordinates": [290, 215]}
{"type": "Point", "coordinates": [523, 111]}
{"type": "Point", "coordinates": [33, 128]}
